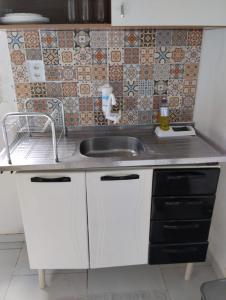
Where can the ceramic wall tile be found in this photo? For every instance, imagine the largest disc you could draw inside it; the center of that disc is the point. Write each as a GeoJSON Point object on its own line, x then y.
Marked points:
{"type": "Point", "coordinates": [69, 89]}
{"type": "Point", "coordinates": [65, 39]}
{"type": "Point", "coordinates": [38, 90]}
{"type": "Point", "coordinates": [98, 39]}
{"type": "Point", "coordinates": [115, 38]}
{"type": "Point", "coordinates": [33, 54]}
{"type": "Point", "coordinates": [115, 56]}
{"type": "Point", "coordinates": [15, 39]}
{"type": "Point", "coordinates": [116, 73]}
{"type": "Point", "coordinates": [147, 38]}
{"type": "Point", "coordinates": [51, 56]}
{"type": "Point", "coordinates": [66, 56]}
{"type": "Point", "coordinates": [31, 39]}
{"type": "Point", "coordinates": [82, 38]}
{"type": "Point", "coordinates": [132, 38]}
{"type": "Point", "coordinates": [99, 56]}
{"type": "Point", "coordinates": [18, 57]}
{"type": "Point", "coordinates": [49, 39]}
{"type": "Point", "coordinates": [23, 90]}
{"type": "Point", "coordinates": [142, 66]}
{"type": "Point", "coordinates": [53, 89]}
{"type": "Point", "coordinates": [163, 55]}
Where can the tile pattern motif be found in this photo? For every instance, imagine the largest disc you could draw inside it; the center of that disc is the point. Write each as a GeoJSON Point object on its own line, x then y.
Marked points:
{"type": "Point", "coordinates": [142, 65]}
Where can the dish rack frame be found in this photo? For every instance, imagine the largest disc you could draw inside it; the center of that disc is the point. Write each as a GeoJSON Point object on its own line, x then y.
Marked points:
{"type": "Point", "coordinates": [49, 121]}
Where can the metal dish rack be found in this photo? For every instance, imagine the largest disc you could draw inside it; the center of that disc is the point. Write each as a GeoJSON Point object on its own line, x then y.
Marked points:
{"type": "Point", "coordinates": [41, 118]}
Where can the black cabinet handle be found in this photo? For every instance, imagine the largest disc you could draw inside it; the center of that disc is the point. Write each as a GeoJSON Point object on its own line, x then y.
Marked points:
{"type": "Point", "coordinates": [176, 203]}
{"type": "Point", "coordinates": [178, 227]}
{"type": "Point", "coordinates": [176, 251]}
{"type": "Point", "coordinates": [113, 178]}
{"type": "Point", "coordinates": [58, 179]}
{"type": "Point", "coordinates": [191, 175]}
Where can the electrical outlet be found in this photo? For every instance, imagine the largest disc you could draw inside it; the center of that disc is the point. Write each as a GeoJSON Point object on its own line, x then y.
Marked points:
{"type": "Point", "coordinates": [36, 70]}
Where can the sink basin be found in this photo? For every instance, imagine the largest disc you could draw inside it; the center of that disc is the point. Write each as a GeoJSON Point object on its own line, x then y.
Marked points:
{"type": "Point", "coordinates": [111, 146]}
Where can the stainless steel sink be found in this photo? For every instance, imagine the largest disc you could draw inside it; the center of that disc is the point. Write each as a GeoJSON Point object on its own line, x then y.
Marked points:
{"type": "Point", "coordinates": [111, 146]}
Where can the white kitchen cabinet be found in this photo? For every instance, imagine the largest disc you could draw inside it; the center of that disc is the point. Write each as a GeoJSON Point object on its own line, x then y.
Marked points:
{"type": "Point", "coordinates": [119, 205]}
{"type": "Point", "coordinates": [169, 13]}
{"type": "Point", "coordinates": [54, 215]}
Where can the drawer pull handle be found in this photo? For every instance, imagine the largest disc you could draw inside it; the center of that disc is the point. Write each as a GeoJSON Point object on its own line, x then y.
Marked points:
{"type": "Point", "coordinates": [177, 227]}
{"type": "Point", "coordinates": [191, 175]}
{"type": "Point", "coordinates": [58, 179]}
{"type": "Point", "coordinates": [185, 250]}
{"type": "Point", "coordinates": [176, 203]}
{"type": "Point", "coordinates": [114, 178]}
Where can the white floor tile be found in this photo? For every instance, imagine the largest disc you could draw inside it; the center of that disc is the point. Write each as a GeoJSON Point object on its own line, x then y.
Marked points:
{"type": "Point", "coordinates": [135, 278]}
{"type": "Point", "coordinates": [8, 259]}
{"type": "Point", "coordinates": [179, 289]}
{"type": "Point", "coordinates": [22, 267]}
{"type": "Point", "coordinates": [59, 287]}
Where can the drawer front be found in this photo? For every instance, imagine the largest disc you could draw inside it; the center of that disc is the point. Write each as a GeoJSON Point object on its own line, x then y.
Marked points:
{"type": "Point", "coordinates": [185, 182]}
{"type": "Point", "coordinates": [179, 231]}
{"type": "Point", "coordinates": [177, 253]}
{"type": "Point", "coordinates": [182, 208]}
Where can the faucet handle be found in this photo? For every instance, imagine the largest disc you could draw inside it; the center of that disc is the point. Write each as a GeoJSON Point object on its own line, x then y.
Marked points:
{"type": "Point", "coordinates": [113, 100]}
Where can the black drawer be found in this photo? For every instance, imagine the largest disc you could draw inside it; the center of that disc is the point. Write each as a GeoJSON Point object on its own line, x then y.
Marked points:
{"type": "Point", "coordinates": [182, 208]}
{"type": "Point", "coordinates": [177, 253]}
{"type": "Point", "coordinates": [179, 231]}
{"type": "Point", "coordinates": [185, 182]}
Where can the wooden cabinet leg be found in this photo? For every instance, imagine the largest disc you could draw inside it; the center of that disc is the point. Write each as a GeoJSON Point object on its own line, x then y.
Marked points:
{"type": "Point", "coordinates": [41, 279]}
{"type": "Point", "coordinates": [188, 271]}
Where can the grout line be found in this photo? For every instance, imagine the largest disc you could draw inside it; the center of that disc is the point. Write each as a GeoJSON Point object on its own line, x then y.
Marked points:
{"type": "Point", "coordinates": [165, 284]}
{"type": "Point", "coordinates": [11, 276]}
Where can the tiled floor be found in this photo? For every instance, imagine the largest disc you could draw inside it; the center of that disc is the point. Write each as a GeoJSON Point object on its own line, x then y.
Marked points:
{"type": "Point", "coordinates": [18, 282]}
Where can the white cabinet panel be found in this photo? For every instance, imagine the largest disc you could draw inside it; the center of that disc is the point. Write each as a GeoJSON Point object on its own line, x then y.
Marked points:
{"type": "Point", "coordinates": [169, 13]}
{"type": "Point", "coordinates": [55, 220]}
{"type": "Point", "coordinates": [119, 217]}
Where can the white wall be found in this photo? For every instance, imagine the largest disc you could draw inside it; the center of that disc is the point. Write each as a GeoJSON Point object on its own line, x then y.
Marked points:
{"type": "Point", "coordinates": [10, 218]}
{"type": "Point", "coordinates": [210, 119]}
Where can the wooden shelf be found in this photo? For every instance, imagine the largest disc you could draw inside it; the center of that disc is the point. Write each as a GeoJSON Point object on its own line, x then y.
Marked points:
{"type": "Point", "coordinates": [56, 26]}
{"type": "Point", "coordinates": [94, 26]}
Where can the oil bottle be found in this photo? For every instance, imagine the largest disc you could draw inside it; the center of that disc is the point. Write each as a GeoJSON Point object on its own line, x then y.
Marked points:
{"type": "Point", "coordinates": [164, 114]}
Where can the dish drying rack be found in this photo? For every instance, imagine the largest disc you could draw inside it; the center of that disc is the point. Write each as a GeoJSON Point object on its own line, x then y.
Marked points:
{"type": "Point", "coordinates": [40, 118]}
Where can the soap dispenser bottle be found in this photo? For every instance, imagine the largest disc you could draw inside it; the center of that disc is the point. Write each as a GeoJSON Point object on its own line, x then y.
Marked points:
{"type": "Point", "coordinates": [164, 114]}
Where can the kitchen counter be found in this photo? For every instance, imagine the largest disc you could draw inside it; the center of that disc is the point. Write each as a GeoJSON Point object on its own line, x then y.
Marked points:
{"type": "Point", "coordinates": [35, 153]}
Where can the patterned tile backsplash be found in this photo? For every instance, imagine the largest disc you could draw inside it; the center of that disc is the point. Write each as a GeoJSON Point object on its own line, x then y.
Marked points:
{"type": "Point", "coordinates": [141, 65]}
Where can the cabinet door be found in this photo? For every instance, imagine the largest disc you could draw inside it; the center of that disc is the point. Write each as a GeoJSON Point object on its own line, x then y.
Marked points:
{"type": "Point", "coordinates": [55, 219]}
{"type": "Point", "coordinates": [119, 204]}
{"type": "Point", "coordinates": [169, 13]}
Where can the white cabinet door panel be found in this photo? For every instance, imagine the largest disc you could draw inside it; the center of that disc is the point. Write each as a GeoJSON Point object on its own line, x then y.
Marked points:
{"type": "Point", "coordinates": [55, 220]}
{"type": "Point", "coordinates": [169, 13]}
{"type": "Point", "coordinates": [119, 218]}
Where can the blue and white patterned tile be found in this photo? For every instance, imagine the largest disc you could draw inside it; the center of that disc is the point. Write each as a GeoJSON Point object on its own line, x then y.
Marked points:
{"type": "Point", "coordinates": [131, 88]}
{"type": "Point", "coordinates": [163, 55]}
{"type": "Point", "coordinates": [15, 39]}
{"type": "Point", "coordinates": [146, 88]}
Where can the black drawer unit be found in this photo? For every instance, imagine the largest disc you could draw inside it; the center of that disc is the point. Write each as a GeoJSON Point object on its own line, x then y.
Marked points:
{"type": "Point", "coordinates": [177, 253]}
{"type": "Point", "coordinates": [179, 231]}
{"type": "Point", "coordinates": [184, 182]}
{"type": "Point", "coordinates": [182, 208]}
